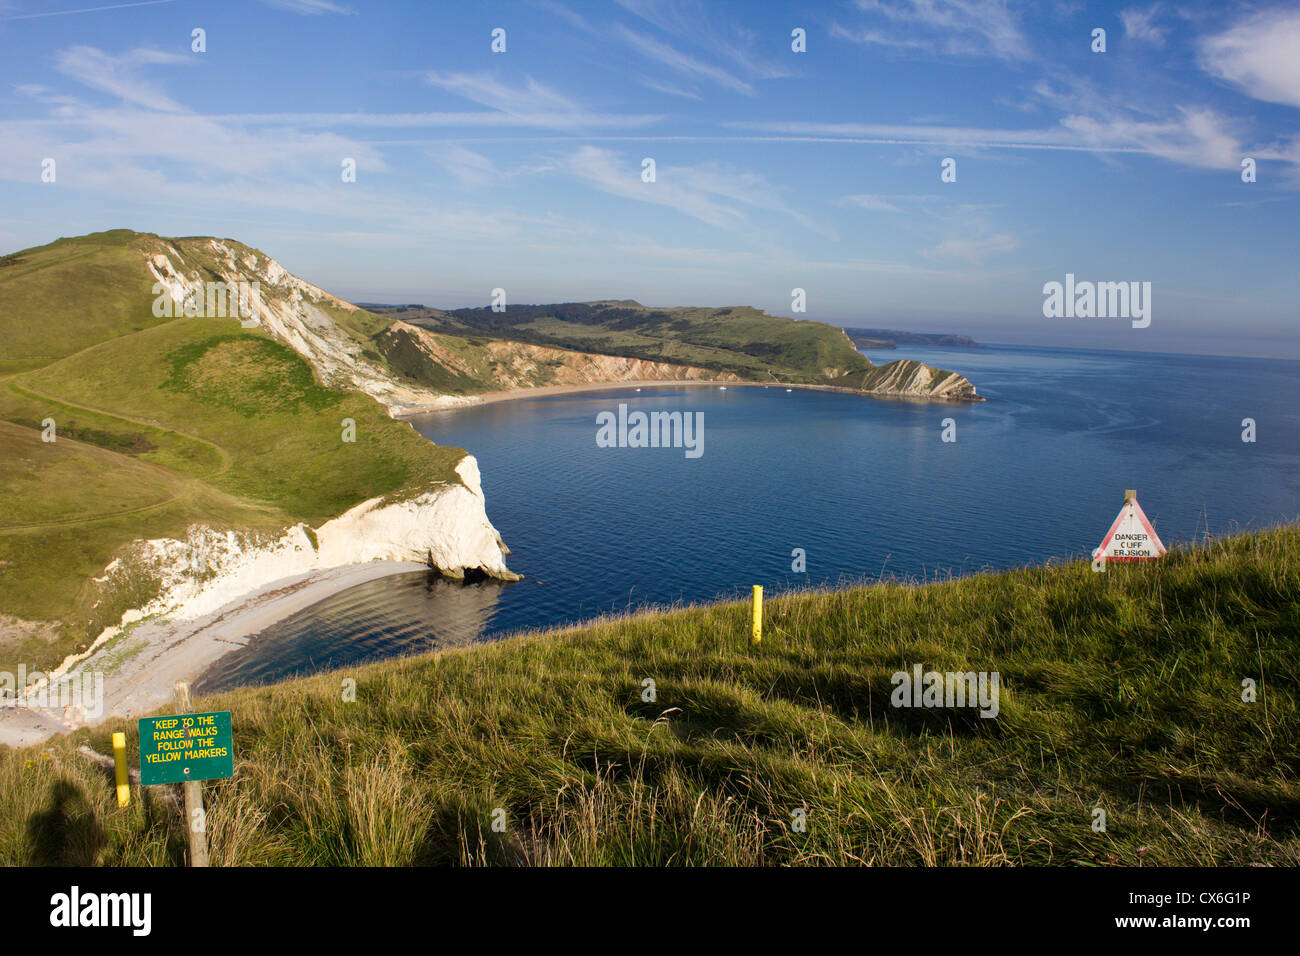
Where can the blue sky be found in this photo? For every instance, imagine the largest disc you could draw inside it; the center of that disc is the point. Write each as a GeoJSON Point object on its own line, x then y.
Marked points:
{"type": "Point", "coordinates": [774, 169]}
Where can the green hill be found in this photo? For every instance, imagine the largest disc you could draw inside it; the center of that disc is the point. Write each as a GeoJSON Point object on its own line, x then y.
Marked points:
{"type": "Point", "coordinates": [71, 294]}
{"type": "Point", "coordinates": [1121, 691]}
{"type": "Point", "coordinates": [161, 423]}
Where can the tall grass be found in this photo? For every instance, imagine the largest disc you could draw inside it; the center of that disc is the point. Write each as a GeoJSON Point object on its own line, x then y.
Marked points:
{"type": "Point", "coordinates": [1122, 692]}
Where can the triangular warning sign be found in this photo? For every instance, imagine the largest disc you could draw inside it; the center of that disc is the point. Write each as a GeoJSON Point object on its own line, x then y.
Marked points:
{"type": "Point", "coordinates": [1131, 537]}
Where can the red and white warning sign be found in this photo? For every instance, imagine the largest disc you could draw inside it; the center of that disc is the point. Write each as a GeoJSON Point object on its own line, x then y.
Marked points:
{"type": "Point", "coordinates": [1131, 537]}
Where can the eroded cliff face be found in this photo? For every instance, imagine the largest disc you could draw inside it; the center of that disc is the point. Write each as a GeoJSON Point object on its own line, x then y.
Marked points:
{"type": "Point", "coordinates": [911, 379]}
{"type": "Point", "coordinates": [506, 365]}
{"type": "Point", "coordinates": [510, 365]}
{"type": "Point", "coordinates": [446, 528]}
{"type": "Point", "coordinates": [290, 310]}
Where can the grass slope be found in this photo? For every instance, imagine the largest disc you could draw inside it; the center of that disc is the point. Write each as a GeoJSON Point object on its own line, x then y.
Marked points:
{"type": "Point", "coordinates": [59, 298]}
{"type": "Point", "coordinates": [161, 423]}
{"type": "Point", "coordinates": [1121, 691]}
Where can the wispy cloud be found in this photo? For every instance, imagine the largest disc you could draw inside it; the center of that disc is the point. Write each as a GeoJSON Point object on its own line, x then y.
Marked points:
{"type": "Point", "coordinates": [923, 135]}
{"type": "Point", "coordinates": [611, 173]}
{"type": "Point", "coordinates": [486, 90]}
{"type": "Point", "coordinates": [309, 8]}
{"type": "Point", "coordinates": [488, 119]}
{"type": "Point", "coordinates": [120, 76]}
{"type": "Point", "coordinates": [962, 231]}
{"type": "Point", "coordinates": [950, 27]}
{"type": "Point", "coordinates": [1193, 136]}
{"type": "Point", "coordinates": [469, 168]}
{"type": "Point", "coordinates": [1260, 56]}
{"type": "Point", "coordinates": [532, 103]}
{"type": "Point", "coordinates": [973, 249]}
{"type": "Point", "coordinates": [696, 24]}
{"type": "Point", "coordinates": [682, 63]}
{"type": "Point", "coordinates": [572, 17]}
{"type": "Point", "coordinates": [668, 89]}
{"type": "Point", "coordinates": [870, 37]}
{"type": "Point", "coordinates": [1141, 25]}
{"type": "Point", "coordinates": [713, 193]}
{"type": "Point", "coordinates": [872, 203]}
{"type": "Point", "coordinates": [63, 13]}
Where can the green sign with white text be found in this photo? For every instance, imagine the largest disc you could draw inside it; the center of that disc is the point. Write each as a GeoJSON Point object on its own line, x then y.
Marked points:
{"type": "Point", "coordinates": [186, 747]}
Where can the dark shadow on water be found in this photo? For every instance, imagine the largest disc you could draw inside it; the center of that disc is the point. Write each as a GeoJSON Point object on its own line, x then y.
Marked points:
{"type": "Point", "coordinates": [395, 616]}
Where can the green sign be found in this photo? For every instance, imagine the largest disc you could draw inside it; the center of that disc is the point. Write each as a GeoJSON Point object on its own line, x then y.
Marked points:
{"type": "Point", "coordinates": [186, 747]}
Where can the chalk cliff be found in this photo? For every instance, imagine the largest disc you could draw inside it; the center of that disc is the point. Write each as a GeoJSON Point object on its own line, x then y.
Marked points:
{"type": "Point", "coordinates": [307, 319]}
{"type": "Point", "coordinates": [908, 378]}
{"type": "Point", "coordinates": [446, 528]}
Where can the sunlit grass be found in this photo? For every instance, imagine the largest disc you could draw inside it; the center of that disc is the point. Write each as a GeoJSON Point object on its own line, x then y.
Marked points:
{"type": "Point", "coordinates": [1122, 691]}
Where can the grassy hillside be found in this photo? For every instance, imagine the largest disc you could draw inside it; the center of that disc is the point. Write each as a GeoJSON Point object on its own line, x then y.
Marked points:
{"type": "Point", "coordinates": [743, 340]}
{"type": "Point", "coordinates": [72, 293]}
{"type": "Point", "coordinates": [161, 423]}
{"type": "Point", "coordinates": [1122, 691]}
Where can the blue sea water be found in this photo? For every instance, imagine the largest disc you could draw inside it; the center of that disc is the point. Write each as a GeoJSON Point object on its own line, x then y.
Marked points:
{"type": "Point", "coordinates": [864, 487]}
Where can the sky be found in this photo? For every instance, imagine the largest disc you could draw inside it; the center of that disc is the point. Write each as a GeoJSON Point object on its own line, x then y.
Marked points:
{"type": "Point", "coordinates": [774, 169]}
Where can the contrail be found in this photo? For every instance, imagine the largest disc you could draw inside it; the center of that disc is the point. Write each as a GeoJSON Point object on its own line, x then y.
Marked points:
{"type": "Point", "coordinates": [62, 13]}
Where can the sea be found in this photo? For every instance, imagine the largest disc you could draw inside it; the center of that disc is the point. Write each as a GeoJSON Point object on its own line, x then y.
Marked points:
{"type": "Point", "coordinates": [799, 488]}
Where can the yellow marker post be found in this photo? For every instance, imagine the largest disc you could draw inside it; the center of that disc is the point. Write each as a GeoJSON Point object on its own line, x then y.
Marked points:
{"type": "Point", "coordinates": [758, 614]}
{"type": "Point", "coordinates": [119, 768]}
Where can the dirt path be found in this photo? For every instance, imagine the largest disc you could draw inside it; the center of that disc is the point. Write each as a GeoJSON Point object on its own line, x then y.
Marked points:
{"type": "Point", "coordinates": [32, 393]}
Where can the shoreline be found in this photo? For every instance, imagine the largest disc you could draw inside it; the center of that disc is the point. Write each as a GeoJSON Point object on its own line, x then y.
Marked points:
{"type": "Point", "coordinates": [545, 391]}
{"type": "Point", "coordinates": [142, 666]}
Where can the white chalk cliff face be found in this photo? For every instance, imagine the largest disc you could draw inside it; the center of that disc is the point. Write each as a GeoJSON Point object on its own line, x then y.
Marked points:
{"type": "Point", "coordinates": [445, 527]}
{"type": "Point", "coordinates": [290, 310]}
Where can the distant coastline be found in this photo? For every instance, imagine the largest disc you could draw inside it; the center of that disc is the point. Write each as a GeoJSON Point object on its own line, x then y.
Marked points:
{"type": "Point", "coordinates": [888, 339]}
{"type": "Point", "coordinates": [544, 391]}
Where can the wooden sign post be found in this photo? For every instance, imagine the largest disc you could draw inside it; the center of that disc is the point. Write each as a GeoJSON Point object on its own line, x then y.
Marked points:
{"type": "Point", "coordinates": [756, 635]}
{"type": "Point", "coordinates": [188, 748]}
{"type": "Point", "coordinates": [196, 821]}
